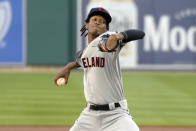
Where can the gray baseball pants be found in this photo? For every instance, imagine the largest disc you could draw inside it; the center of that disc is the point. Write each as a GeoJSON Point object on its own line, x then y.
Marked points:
{"type": "Point", "coordinates": [113, 120]}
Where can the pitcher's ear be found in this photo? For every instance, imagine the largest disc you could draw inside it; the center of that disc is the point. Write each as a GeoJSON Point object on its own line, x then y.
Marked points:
{"type": "Point", "coordinates": [86, 26]}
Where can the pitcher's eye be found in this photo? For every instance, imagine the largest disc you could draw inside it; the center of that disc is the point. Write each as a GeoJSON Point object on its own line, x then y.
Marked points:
{"type": "Point", "coordinates": [94, 19]}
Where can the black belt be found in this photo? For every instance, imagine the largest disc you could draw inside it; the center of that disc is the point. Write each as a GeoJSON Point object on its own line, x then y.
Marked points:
{"type": "Point", "coordinates": [105, 107]}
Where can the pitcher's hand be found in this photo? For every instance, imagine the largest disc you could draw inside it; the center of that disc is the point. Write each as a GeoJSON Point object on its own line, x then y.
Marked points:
{"type": "Point", "coordinates": [62, 74]}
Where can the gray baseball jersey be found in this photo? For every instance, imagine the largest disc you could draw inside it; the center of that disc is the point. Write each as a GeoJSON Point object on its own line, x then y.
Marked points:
{"type": "Point", "coordinates": [102, 75]}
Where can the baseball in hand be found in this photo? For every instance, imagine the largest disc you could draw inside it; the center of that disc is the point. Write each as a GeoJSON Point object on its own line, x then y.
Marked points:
{"type": "Point", "coordinates": [61, 82]}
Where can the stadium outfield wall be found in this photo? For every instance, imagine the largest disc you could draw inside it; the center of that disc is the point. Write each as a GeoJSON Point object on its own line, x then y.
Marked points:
{"type": "Point", "coordinates": [170, 41]}
{"type": "Point", "coordinates": [37, 32]}
{"type": "Point", "coordinates": [46, 32]}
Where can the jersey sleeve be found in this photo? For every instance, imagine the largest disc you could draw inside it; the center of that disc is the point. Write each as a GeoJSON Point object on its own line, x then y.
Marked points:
{"type": "Point", "coordinates": [103, 43]}
{"type": "Point", "coordinates": [78, 58]}
{"type": "Point", "coordinates": [103, 46]}
{"type": "Point", "coordinates": [119, 46]}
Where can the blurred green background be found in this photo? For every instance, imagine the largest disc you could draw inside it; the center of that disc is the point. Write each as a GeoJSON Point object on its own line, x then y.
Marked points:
{"type": "Point", "coordinates": [51, 31]}
{"type": "Point", "coordinates": [31, 98]}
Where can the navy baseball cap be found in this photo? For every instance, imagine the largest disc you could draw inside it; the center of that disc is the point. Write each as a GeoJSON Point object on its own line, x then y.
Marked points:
{"type": "Point", "coordinates": [99, 11]}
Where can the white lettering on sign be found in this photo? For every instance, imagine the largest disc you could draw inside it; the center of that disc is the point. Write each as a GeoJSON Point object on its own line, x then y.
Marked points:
{"type": "Point", "coordinates": [162, 37]}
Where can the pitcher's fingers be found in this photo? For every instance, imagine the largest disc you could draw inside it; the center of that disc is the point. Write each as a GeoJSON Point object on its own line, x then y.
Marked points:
{"type": "Point", "coordinates": [55, 80]}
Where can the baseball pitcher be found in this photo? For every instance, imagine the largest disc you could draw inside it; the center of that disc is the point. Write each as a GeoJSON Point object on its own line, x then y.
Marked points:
{"type": "Point", "coordinates": [106, 108]}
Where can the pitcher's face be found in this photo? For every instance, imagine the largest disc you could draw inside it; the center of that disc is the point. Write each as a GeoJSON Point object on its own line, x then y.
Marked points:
{"type": "Point", "coordinates": [96, 25]}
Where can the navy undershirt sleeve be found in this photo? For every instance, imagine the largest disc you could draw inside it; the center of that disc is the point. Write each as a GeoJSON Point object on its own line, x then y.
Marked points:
{"type": "Point", "coordinates": [131, 35]}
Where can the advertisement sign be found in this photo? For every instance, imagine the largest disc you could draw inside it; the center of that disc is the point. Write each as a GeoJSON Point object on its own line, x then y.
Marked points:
{"type": "Point", "coordinates": [12, 32]}
{"type": "Point", "coordinates": [170, 27]}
